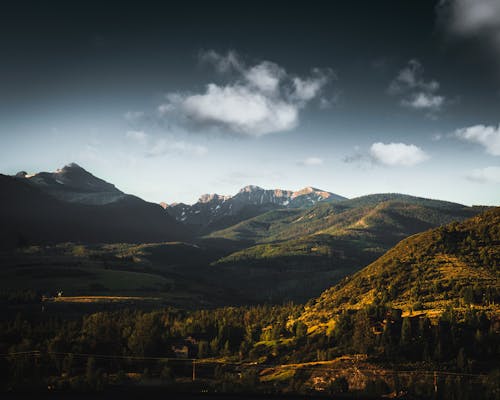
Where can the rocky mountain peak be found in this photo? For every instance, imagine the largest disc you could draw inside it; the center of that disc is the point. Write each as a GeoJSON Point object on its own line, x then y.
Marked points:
{"type": "Point", "coordinates": [216, 211]}
{"type": "Point", "coordinates": [74, 184]}
{"type": "Point", "coordinates": [250, 188]}
{"type": "Point", "coordinates": [70, 167]}
{"type": "Point", "coordinates": [207, 198]}
{"type": "Point", "coordinates": [311, 190]}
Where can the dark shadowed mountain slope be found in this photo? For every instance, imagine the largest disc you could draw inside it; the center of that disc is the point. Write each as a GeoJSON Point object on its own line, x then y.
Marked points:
{"type": "Point", "coordinates": [30, 215]}
{"type": "Point", "coordinates": [74, 184]}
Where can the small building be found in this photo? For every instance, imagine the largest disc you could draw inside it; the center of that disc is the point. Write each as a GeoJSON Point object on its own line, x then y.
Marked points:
{"type": "Point", "coordinates": [181, 351]}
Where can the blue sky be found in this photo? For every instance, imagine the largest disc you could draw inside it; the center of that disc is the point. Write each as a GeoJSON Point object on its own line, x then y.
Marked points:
{"type": "Point", "coordinates": [168, 105]}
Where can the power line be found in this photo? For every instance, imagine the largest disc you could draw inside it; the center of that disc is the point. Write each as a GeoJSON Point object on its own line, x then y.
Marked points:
{"type": "Point", "coordinates": [197, 361]}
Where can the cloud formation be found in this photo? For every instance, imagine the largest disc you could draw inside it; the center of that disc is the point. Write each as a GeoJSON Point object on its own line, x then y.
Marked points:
{"type": "Point", "coordinates": [132, 116]}
{"type": "Point", "coordinates": [486, 136]}
{"type": "Point", "coordinates": [485, 175]}
{"type": "Point", "coordinates": [397, 154]}
{"type": "Point", "coordinates": [311, 161]}
{"type": "Point", "coordinates": [163, 146]}
{"type": "Point", "coordinates": [155, 147]}
{"type": "Point", "coordinates": [390, 154]}
{"type": "Point", "coordinates": [222, 64]}
{"type": "Point", "coordinates": [477, 19]}
{"type": "Point", "coordinates": [256, 100]}
{"type": "Point", "coordinates": [240, 109]}
{"type": "Point", "coordinates": [138, 136]}
{"type": "Point", "coordinates": [415, 91]}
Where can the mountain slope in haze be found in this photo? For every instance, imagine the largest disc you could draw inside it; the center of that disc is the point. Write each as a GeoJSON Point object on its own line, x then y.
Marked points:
{"type": "Point", "coordinates": [329, 241]}
{"type": "Point", "coordinates": [29, 214]}
{"type": "Point", "coordinates": [213, 212]}
{"type": "Point", "coordinates": [74, 184]}
{"type": "Point", "coordinates": [373, 223]}
{"type": "Point", "coordinates": [457, 264]}
{"type": "Point", "coordinates": [355, 213]}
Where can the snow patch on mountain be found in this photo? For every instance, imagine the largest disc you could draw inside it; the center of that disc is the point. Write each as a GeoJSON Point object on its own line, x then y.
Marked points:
{"type": "Point", "coordinates": [249, 201]}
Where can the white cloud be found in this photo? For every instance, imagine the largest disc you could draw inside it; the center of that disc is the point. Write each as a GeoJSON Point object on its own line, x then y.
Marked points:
{"type": "Point", "coordinates": [416, 92]}
{"type": "Point", "coordinates": [154, 147]}
{"type": "Point", "coordinates": [139, 136]}
{"type": "Point", "coordinates": [162, 147]}
{"type": "Point", "coordinates": [308, 88]}
{"type": "Point", "coordinates": [133, 115]}
{"type": "Point", "coordinates": [358, 157]}
{"type": "Point", "coordinates": [240, 109]}
{"type": "Point", "coordinates": [265, 76]}
{"type": "Point", "coordinates": [311, 161]}
{"type": "Point", "coordinates": [479, 19]}
{"type": "Point", "coordinates": [262, 99]}
{"type": "Point", "coordinates": [423, 100]}
{"type": "Point", "coordinates": [486, 136]}
{"type": "Point", "coordinates": [397, 154]}
{"type": "Point", "coordinates": [407, 77]}
{"type": "Point", "coordinates": [222, 63]}
{"type": "Point", "coordinates": [485, 175]}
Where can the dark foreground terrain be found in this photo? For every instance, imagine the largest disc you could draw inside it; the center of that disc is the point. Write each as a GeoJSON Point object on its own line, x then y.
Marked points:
{"type": "Point", "coordinates": [384, 295]}
{"type": "Point", "coordinates": [158, 393]}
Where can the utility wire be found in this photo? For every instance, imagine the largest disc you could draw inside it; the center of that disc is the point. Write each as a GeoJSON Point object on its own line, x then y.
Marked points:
{"type": "Point", "coordinates": [197, 361]}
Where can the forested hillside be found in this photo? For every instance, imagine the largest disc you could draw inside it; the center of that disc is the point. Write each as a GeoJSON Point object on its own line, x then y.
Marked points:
{"type": "Point", "coordinates": [306, 252]}
{"type": "Point", "coordinates": [455, 265]}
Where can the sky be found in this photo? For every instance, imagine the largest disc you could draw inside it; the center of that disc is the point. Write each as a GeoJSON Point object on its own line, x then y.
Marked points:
{"type": "Point", "coordinates": [170, 101]}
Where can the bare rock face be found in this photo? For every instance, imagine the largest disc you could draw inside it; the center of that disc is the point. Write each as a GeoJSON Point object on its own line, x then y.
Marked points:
{"type": "Point", "coordinates": [214, 211]}
{"type": "Point", "coordinates": [207, 198]}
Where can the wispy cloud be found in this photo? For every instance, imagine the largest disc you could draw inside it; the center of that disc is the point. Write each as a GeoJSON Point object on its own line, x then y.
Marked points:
{"type": "Point", "coordinates": [155, 147]}
{"type": "Point", "coordinates": [162, 147]}
{"type": "Point", "coordinates": [486, 136]}
{"type": "Point", "coordinates": [485, 175]}
{"type": "Point", "coordinates": [306, 89]}
{"type": "Point", "coordinates": [358, 157]}
{"type": "Point", "coordinates": [437, 137]}
{"type": "Point", "coordinates": [222, 64]}
{"type": "Point", "coordinates": [139, 136]}
{"type": "Point", "coordinates": [424, 101]}
{"type": "Point", "coordinates": [414, 91]}
{"type": "Point", "coordinates": [476, 19]}
{"type": "Point", "coordinates": [133, 115]}
{"type": "Point", "coordinates": [256, 100]}
{"type": "Point", "coordinates": [311, 161]}
{"type": "Point", "coordinates": [265, 77]}
{"type": "Point", "coordinates": [397, 154]}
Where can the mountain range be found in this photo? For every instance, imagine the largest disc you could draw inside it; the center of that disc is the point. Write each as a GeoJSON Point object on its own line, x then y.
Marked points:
{"type": "Point", "coordinates": [290, 245]}
{"type": "Point", "coordinates": [73, 205]}
{"type": "Point", "coordinates": [361, 287]}
{"type": "Point", "coordinates": [213, 211]}
{"type": "Point", "coordinates": [302, 252]}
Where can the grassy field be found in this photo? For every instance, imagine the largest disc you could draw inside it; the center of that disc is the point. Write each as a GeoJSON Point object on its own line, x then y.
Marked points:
{"type": "Point", "coordinates": [171, 272]}
{"type": "Point", "coordinates": [79, 279]}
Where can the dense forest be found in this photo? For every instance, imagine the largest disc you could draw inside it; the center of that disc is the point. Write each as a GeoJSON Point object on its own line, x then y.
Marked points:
{"type": "Point", "coordinates": [233, 347]}
{"type": "Point", "coordinates": [421, 321]}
